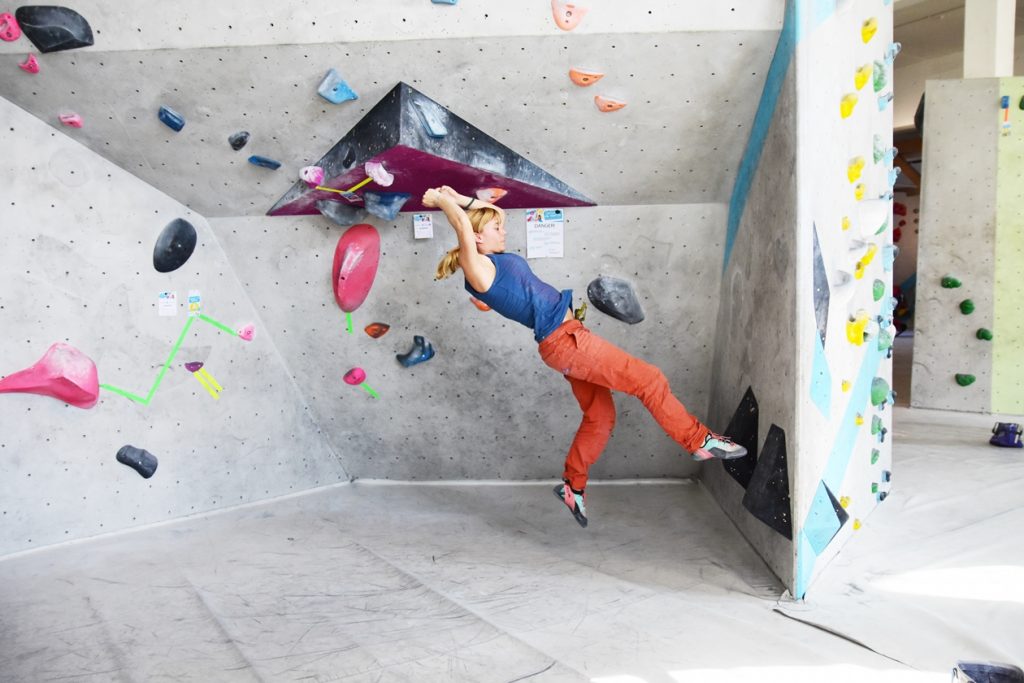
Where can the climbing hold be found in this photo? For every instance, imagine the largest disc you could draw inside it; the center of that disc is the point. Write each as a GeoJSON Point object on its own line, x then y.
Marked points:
{"type": "Point", "coordinates": [52, 28]}
{"type": "Point", "coordinates": [879, 78]}
{"type": "Point", "coordinates": [9, 29]}
{"type": "Point", "coordinates": [856, 327]}
{"type": "Point", "coordinates": [886, 476]}
{"type": "Point", "coordinates": [247, 332]}
{"type": "Point", "coordinates": [845, 385]}
{"type": "Point", "coordinates": [880, 393]}
{"type": "Point", "coordinates": [63, 373]}
{"type": "Point", "coordinates": [889, 254]}
{"type": "Point", "coordinates": [377, 330]}
{"type": "Point", "coordinates": [567, 15]}
{"type": "Point", "coordinates": [897, 234]}
{"type": "Point", "coordinates": [884, 340]}
{"type": "Point", "coordinates": [884, 100]}
{"type": "Point", "coordinates": [30, 65]}
{"type": "Point", "coordinates": [858, 419]}
{"type": "Point", "coordinates": [491, 195]}
{"type": "Point", "coordinates": [1006, 435]}
{"type": "Point", "coordinates": [842, 278]}
{"type": "Point", "coordinates": [874, 487]}
{"type": "Point", "coordinates": [882, 495]}
{"type": "Point", "coordinates": [950, 282]}
{"type": "Point", "coordinates": [857, 525]}
{"type": "Point", "coordinates": [875, 455]}
{"type": "Point", "coordinates": [355, 376]}
{"type": "Point", "coordinates": [139, 459]}
{"type": "Point", "coordinates": [878, 289]}
{"type": "Point", "coordinates": [855, 168]}
{"type": "Point", "coordinates": [606, 104]}
{"type": "Point", "coordinates": [868, 29]}
{"type": "Point", "coordinates": [174, 245]}
{"type": "Point", "coordinates": [479, 304]}
{"type": "Point", "coordinates": [334, 89]}
{"type": "Point", "coordinates": [312, 175]}
{"type": "Point", "coordinates": [967, 307]}
{"type": "Point", "coordinates": [858, 191]}
{"type": "Point", "coordinates": [877, 429]}
{"type": "Point", "coordinates": [432, 117]}
{"type": "Point", "coordinates": [71, 119]}
{"type": "Point", "coordinates": [355, 265]}
{"type": "Point", "coordinates": [422, 350]}
{"type": "Point", "coordinates": [340, 213]}
{"type": "Point", "coordinates": [385, 205]}
{"type": "Point", "coordinates": [444, 2]}
{"type": "Point", "coordinates": [264, 162]}
{"type": "Point", "coordinates": [894, 174]}
{"type": "Point", "coordinates": [171, 118]}
{"type": "Point", "coordinates": [847, 223]}
{"type": "Point", "coordinates": [964, 380]}
{"type": "Point", "coordinates": [877, 148]}
{"type": "Point", "coordinates": [375, 171]}
{"type": "Point", "coordinates": [584, 78]}
{"type": "Point", "coordinates": [847, 104]}
{"type": "Point", "coordinates": [890, 54]}
{"type": "Point", "coordinates": [861, 76]}
{"type": "Point", "coordinates": [844, 502]}
{"type": "Point", "coordinates": [238, 140]}
{"type": "Point", "coordinates": [865, 261]}
{"type": "Point", "coordinates": [581, 312]}
{"type": "Point", "coordinates": [882, 228]}
{"type": "Point", "coordinates": [984, 334]}
{"type": "Point", "coordinates": [194, 366]}
{"type": "Point", "coordinates": [615, 297]}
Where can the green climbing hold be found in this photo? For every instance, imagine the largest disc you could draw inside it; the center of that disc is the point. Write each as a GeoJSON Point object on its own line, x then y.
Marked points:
{"type": "Point", "coordinates": [880, 81]}
{"type": "Point", "coordinates": [984, 334]}
{"type": "Point", "coordinates": [950, 282]}
{"type": "Point", "coordinates": [878, 290]}
{"type": "Point", "coordinates": [967, 307]}
{"type": "Point", "coordinates": [1021, 103]}
{"type": "Point", "coordinates": [877, 151]}
{"type": "Point", "coordinates": [874, 487]}
{"type": "Point", "coordinates": [883, 227]}
{"type": "Point", "coordinates": [876, 424]}
{"type": "Point", "coordinates": [874, 455]}
{"type": "Point", "coordinates": [879, 391]}
{"type": "Point", "coordinates": [884, 340]}
{"type": "Point", "coordinates": [965, 380]}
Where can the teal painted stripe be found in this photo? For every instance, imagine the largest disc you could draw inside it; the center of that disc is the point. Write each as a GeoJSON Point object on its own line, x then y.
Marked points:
{"type": "Point", "coordinates": [842, 448]}
{"type": "Point", "coordinates": [762, 121]}
{"type": "Point", "coordinates": [806, 558]}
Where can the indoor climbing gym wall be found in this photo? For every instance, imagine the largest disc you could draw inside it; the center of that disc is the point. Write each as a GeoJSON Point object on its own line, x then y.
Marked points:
{"type": "Point", "coordinates": [969, 338]}
{"type": "Point", "coordinates": [809, 257]}
{"type": "Point", "coordinates": [297, 147]}
{"type": "Point", "coordinates": [139, 383]}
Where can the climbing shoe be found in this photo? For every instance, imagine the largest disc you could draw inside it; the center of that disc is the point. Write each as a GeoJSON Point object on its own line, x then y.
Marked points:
{"type": "Point", "coordinates": [717, 446]}
{"type": "Point", "coordinates": [576, 502]}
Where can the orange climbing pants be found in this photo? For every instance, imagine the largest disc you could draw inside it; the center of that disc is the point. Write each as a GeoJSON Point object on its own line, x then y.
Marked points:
{"type": "Point", "coordinates": [595, 367]}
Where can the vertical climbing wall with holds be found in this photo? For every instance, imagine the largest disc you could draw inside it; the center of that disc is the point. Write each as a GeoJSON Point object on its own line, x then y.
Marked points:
{"type": "Point", "coordinates": [968, 265]}
{"type": "Point", "coordinates": [219, 413]}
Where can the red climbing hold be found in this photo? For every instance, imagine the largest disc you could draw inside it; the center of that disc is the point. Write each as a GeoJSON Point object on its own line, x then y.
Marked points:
{"type": "Point", "coordinates": [584, 78]}
{"type": "Point", "coordinates": [63, 373]}
{"type": "Point", "coordinates": [607, 104]}
{"type": "Point", "coordinates": [377, 330]}
{"type": "Point", "coordinates": [567, 15]}
{"type": "Point", "coordinates": [355, 265]}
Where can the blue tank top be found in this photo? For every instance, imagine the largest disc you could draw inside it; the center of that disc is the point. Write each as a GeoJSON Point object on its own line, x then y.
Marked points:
{"type": "Point", "coordinates": [519, 295]}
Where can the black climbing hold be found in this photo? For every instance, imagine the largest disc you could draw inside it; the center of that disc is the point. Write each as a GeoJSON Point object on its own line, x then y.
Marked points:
{"type": "Point", "coordinates": [743, 430]}
{"type": "Point", "coordinates": [988, 672]}
{"type": "Point", "coordinates": [422, 350]}
{"type": "Point", "coordinates": [767, 496]}
{"type": "Point", "coordinates": [52, 28]}
{"type": "Point", "coordinates": [238, 140]}
{"type": "Point", "coordinates": [173, 247]}
{"type": "Point", "coordinates": [340, 213]}
{"type": "Point", "coordinates": [837, 507]}
{"type": "Point", "coordinates": [139, 459]}
{"type": "Point", "coordinates": [615, 297]}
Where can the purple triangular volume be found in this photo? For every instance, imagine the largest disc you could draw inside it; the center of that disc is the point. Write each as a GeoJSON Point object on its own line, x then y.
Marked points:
{"type": "Point", "coordinates": [425, 145]}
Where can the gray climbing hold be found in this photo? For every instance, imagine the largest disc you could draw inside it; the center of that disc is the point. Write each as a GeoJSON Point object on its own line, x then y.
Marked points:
{"type": "Point", "coordinates": [174, 246]}
{"type": "Point", "coordinates": [340, 213]}
{"type": "Point", "coordinates": [139, 459]}
{"type": "Point", "coordinates": [238, 140]}
{"type": "Point", "coordinates": [616, 297]}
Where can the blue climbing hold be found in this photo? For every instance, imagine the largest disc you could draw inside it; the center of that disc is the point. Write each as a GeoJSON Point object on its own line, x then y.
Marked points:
{"type": "Point", "coordinates": [385, 205]}
{"type": "Point", "coordinates": [340, 213]}
{"type": "Point", "coordinates": [171, 118]}
{"type": "Point", "coordinates": [422, 350]}
{"type": "Point", "coordinates": [334, 89]}
{"type": "Point", "coordinates": [444, 2]}
{"type": "Point", "coordinates": [264, 162]}
{"type": "Point", "coordinates": [432, 117]}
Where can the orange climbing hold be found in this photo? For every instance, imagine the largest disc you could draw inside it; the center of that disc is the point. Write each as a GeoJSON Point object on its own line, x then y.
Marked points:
{"type": "Point", "coordinates": [479, 304]}
{"type": "Point", "coordinates": [491, 195]}
{"type": "Point", "coordinates": [567, 15]}
{"type": "Point", "coordinates": [607, 104]}
{"type": "Point", "coordinates": [377, 330]}
{"type": "Point", "coordinates": [584, 78]}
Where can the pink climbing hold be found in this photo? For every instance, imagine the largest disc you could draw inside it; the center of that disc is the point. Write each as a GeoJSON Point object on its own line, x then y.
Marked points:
{"type": "Point", "coordinates": [355, 376]}
{"type": "Point", "coordinates": [312, 175]}
{"type": "Point", "coordinates": [355, 265]}
{"type": "Point", "coordinates": [607, 104]}
{"type": "Point", "coordinates": [376, 171]}
{"type": "Point", "coordinates": [9, 29]}
{"type": "Point", "coordinates": [567, 15]}
{"type": "Point", "coordinates": [247, 332]}
{"type": "Point", "coordinates": [63, 373]}
{"type": "Point", "coordinates": [30, 65]}
{"type": "Point", "coordinates": [73, 120]}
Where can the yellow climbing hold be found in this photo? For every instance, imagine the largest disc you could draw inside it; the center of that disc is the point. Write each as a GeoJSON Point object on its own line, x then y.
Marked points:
{"type": "Point", "coordinates": [857, 525]}
{"type": "Point", "coordinates": [847, 104]}
{"type": "Point", "coordinates": [865, 261]}
{"type": "Point", "coordinates": [846, 385]}
{"type": "Point", "coordinates": [844, 502]}
{"type": "Point", "coordinates": [858, 420]}
{"type": "Point", "coordinates": [858, 191]}
{"type": "Point", "coordinates": [868, 29]}
{"type": "Point", "coordinates": [847, 223]}
{"type": "Point", "coordinates": [855, 168]}
{"type": "Point", "coordinates": [862, 76]}
{"type": "Point", "coordinates": [856, 326]}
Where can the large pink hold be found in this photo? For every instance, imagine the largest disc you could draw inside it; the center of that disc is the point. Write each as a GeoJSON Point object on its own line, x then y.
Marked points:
{"type": "Point", "coordinates": [64, 373]}
{"type": "Point", "coordinates": [355, 265]}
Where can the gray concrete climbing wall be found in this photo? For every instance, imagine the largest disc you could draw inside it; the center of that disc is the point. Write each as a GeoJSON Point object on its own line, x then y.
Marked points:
{"type": "Point", "coordinates": [77, 267]}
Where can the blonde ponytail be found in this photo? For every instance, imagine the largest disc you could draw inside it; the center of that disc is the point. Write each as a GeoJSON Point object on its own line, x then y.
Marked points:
{"type": "Point", "coordinates": [448, 265]}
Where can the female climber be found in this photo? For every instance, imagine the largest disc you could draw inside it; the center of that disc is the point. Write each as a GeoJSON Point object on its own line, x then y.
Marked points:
{"type": "Point", "coordinates": [593, 366]}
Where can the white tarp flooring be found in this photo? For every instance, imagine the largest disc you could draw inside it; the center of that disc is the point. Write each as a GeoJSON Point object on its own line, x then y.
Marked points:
{"type": "Point", "coordinates": [374, 582]}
